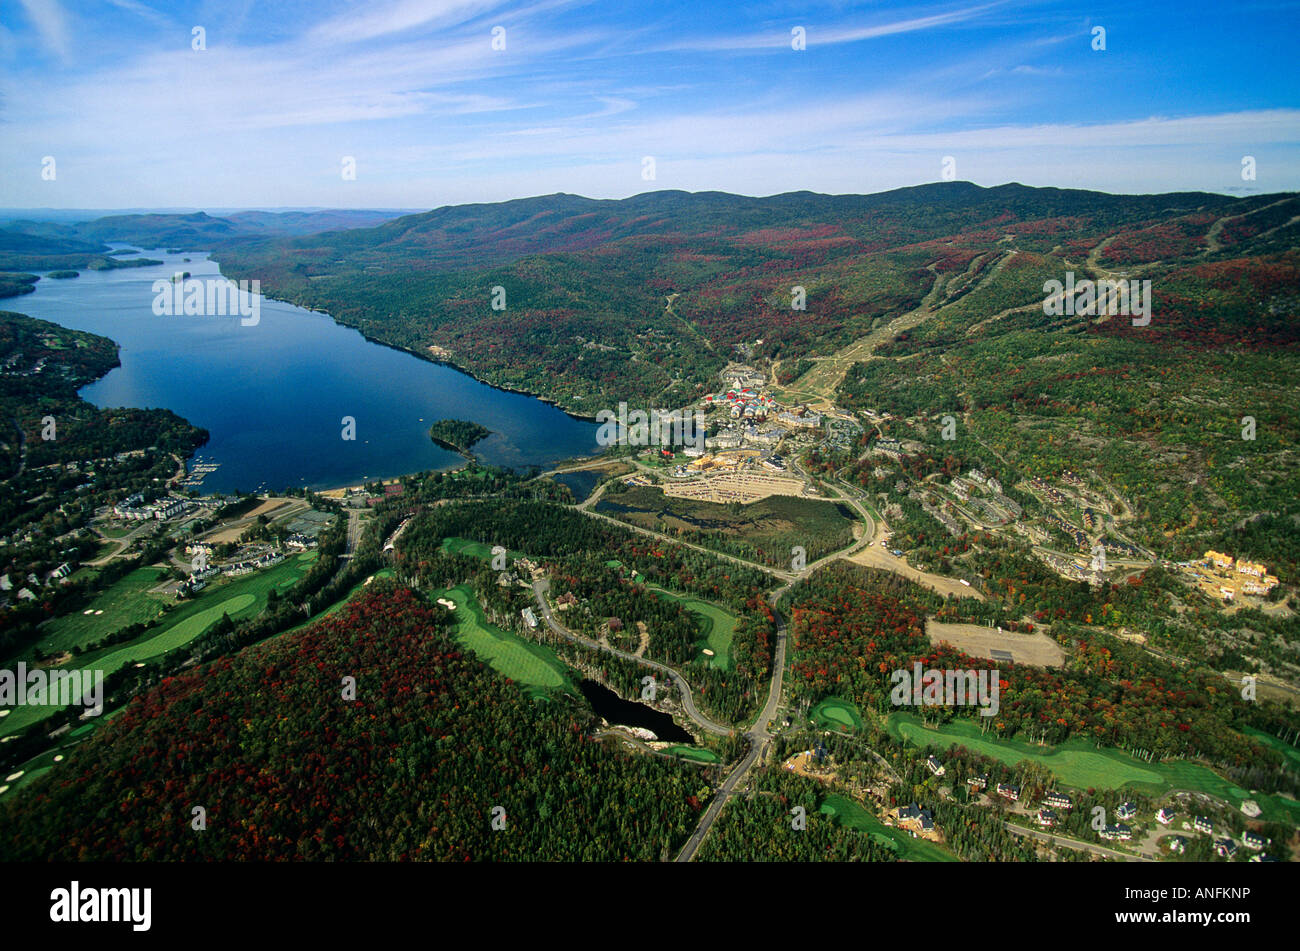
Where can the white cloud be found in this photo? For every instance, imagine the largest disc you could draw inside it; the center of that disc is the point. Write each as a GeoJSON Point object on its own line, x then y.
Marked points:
{"type": "Point", "coordinates": [50, 22]}
{"type": "Point", "coordinates": [780, 37]}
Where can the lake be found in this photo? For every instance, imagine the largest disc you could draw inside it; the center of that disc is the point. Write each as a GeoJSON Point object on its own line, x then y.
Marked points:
{"type": "Point", "coordinates": [273, 396]}
{"type": "Point", "coordinates": [622, 712]}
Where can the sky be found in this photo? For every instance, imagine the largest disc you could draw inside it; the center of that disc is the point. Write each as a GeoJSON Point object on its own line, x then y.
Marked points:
{"type": "Point", "coordinates": [238, 103]}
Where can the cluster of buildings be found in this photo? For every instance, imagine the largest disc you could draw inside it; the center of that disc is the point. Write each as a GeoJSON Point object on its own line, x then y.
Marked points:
{"type": "Point", "coordinates": [1077, 534]}
{"type": "Point", "coordinates": [249, 565]}
{"type": "Point", "coordinates": [995, 507]}
{"type": "Point", "coordinates": [1229, 577]}
{"type": "Point", "coordinates": [136, 509]}
{"type": "Point", "coordinates": [950, 524]}
{"type": "Point", "coordinates": [27, 591]}
{"type": "Point", "coordinates": [1050, 491]}
{"type": "Point", "coordinates": [756, 422]}
{"type": "Point", "coordinates": [745, 403]}
{"type": "Point", "coordinates": [890, 448]}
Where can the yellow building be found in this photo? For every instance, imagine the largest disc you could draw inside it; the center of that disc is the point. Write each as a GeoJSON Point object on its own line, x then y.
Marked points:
{"type": "Point", "coordinates": [1251, 568]}
{"type": "Point", "coordinates": [1219, 560]}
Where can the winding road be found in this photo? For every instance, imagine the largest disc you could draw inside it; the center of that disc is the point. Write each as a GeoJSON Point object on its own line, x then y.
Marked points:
{"type": "Point", "coordinates": [540, 587]}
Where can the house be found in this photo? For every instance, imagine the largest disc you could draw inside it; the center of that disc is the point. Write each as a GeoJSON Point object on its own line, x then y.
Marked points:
{"type": "Point", "coordinates": [1118, 831]}
{"type": "Point", "coordinates": [979, 781]}
{"type": "Point", "coordinates": [1008, 791]}
{"type": "Point", "coordinates": [1046, 817]}
{"type": "Point", "coordinates": [529, 618]}
{"type": "Point", "coordinates": [193, 586]}
{"type": "Point", "coordinates": [1126, 810]}
{"type": "Point", "coordinates": [1225, 848]}
{"type": "Point", "coordinates": [934, 766]}
{"type": "Point", "coordinates": [1058, 801]}
{"type": "Point", "coordinates": [913, 815]}
{"type": "Point", "coordinates": [1253, 840]}
{"type": "Point", "coordinates": [1202, 824]}
{"type": "Point", "coordinates": [1165, 816]}
{"type": "Point", "coordinates": [25, 594]}
{"type": "Point", "coordinates": [1178, 844]}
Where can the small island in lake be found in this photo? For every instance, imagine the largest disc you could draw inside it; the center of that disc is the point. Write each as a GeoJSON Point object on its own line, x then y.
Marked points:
{"type": "Point", "coordinates": [458, 435]}
{"type": "Point", "coordinates": [63, 275]}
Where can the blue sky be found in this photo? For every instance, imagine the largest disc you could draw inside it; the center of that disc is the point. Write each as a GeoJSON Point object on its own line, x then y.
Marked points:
{"type": "Point", "coordinates": [584, 91]}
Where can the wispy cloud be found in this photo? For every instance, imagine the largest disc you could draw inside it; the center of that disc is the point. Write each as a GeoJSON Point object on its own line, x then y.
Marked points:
{"type": "Point", "coordinates": [777, 38]}
{"type": "Point", "coordinates": [50, 22]}
{"type": "Point", "coordinates": [386, 19]}
{"type": "Point", "coordinates": [433, 114]}
{"type": "Point", "coordinates": [143, 11]}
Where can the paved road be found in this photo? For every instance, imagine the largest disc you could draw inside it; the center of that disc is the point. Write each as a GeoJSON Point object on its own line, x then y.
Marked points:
{"type": "Point", "coordinates": [354, 533]}
{"type": "Point", "coordinates": [1075, 844]}
{"type": "Point", "coordinates": [683, 688]}
{"type": "Point", "coordinates": [759, 736]}
{"type": "Point", "coordinates": [774, 572]}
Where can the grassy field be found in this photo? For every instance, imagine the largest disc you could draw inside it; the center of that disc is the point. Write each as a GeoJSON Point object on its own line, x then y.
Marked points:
{"type": "Point", "coordinates": [44, 762]}
{"type": "Point", "coordinates": [465, 546]}
{"type": "Point", "coordinates": [717, 627]}
{"type": "Point", "coordinates": [767, 529]}
{"type": "Point", "coordinates": [507, 653]}
{"type": "Point", "coordinates": [1291, 753]}
{"type": "Point", "coordinates": [852, 814]}
{"type": "Point", "coordinates": [691, 752]}
{"type": "Point", "coordinates": [836, 714]}
{"type": "Point", "coordinates": [1079, 764]}
{"type": "Point", "coordinates": [241, 597]}
{"type": "Point", "coordinates": [125, 602]}
{"type": "Point", "coordinates": [178, 634]}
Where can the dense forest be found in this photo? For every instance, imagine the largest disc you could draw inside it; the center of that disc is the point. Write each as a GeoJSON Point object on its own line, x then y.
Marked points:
{"type": "Point", "coordinates": [433, 758]}
{"type": "Point", "coordinates": [457, 434]}
{"type": "Point", "coordinates": [611, 573]}
{"type": "Point", "coordinates": [852, 627]}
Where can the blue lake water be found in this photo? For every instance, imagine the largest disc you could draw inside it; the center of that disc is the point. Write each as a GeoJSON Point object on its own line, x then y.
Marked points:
{"type": "Point", "coordinates": [273, 396]}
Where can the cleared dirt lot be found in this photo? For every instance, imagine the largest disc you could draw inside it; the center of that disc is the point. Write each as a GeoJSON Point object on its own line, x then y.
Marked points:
{"type": "Point", "coordinates": [877, 557]}
{"type": "Point", "coordinates": [273, 506]}
{"type": "Point", "coordinates": [741, 487]}
{"type": "Point", "coordinates": [977, 640]}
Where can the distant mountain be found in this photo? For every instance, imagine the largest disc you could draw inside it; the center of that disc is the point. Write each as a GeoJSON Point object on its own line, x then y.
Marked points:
{"type": "Point", "coordinates": [586, 280]}
{"type": "Point", "coordinates": [33, 246]}
{"type": "Point", "coordinates": [187, 232]}
{"type": "Point", "coordinates": [308, 222]}
{"type": "Point", "coordinates": [28, 242]}
{"type": "Point", "coordinates": [43, 244]}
